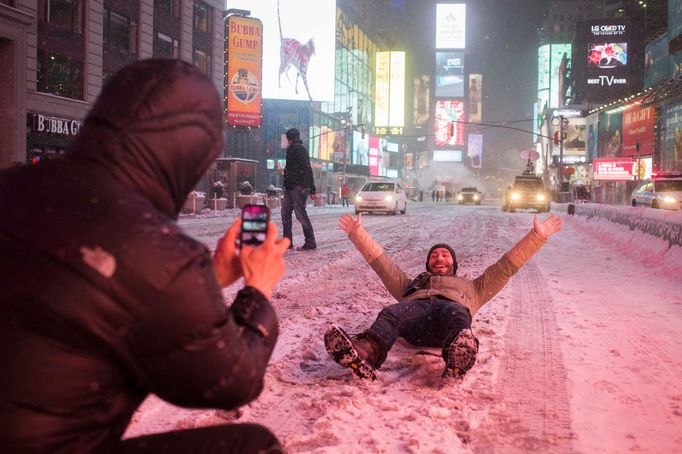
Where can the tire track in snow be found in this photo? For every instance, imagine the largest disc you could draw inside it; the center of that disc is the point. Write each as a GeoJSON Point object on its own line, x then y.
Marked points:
{"type": "Point", "coordinates": [532, 413]}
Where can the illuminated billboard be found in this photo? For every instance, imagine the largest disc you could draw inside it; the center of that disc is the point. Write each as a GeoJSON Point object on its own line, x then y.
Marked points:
{"type": "Point", "coordinates": [638, 127]}
{"type": "Point", "coordinates": [298, 53]}
{"type": "Point", "coordinates": [608, 55]}
{"type": "Point", "coordinates": [422, 94]}
{"type": "Point", "coordinates": [475, 96]}
{"type": "Point", "coordinates": [448, 125]}
{"type": "Point", "coordinates": [447, 155]}
{"type": "Point", "coordinates": [450, 74]}
{"type": "Point", "coordinates": [556, 54]}
{"type": "Point", "coordinates": [475, 150]}
{"type": "Point", "coordinates": [450, 25]}
{"type": "Point", "coordinates": [613, 169]}
{"type": "Point", "coordinates": [243, 69]}
{"type": "Point", "coordinates": [389, 113]}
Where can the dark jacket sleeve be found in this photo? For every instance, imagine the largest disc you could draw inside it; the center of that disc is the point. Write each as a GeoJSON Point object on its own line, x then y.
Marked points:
{"type": "Point", "coordinates": [192, 350]}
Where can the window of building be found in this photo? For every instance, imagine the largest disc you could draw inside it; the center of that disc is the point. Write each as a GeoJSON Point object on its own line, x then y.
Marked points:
{"type": "Point", "coordinates": [202, 61]}
{"type": "Point", "coordinates": [7, 2]}
{"type": "Point", "coordinates": [66, 14]}
{"type": "Point", "coordinates": [60, 75]}
{"type": "Point", "coordinates": [202, 17]}
{"type": "Point", "coordinates": [120, 32]}
{"type": "Point", "coordinates": [170, 7]}
{"type": "Point", "coordinates": [165, 46]}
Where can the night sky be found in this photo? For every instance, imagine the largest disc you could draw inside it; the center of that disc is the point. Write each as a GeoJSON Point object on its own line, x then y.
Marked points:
{"type": "Point", "coordinates": [502, 39]}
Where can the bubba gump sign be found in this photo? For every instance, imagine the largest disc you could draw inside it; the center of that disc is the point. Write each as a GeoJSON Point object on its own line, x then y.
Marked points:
{"type": "Point", "coordinates": [43, 124]}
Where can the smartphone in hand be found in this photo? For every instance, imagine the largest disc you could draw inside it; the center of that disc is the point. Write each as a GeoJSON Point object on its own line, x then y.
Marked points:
{"type": "Point", "coordinates": [255, 220]}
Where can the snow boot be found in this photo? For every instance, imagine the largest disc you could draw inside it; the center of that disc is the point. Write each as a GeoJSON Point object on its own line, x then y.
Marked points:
{"type": "Point", "coordinates": [354, 354]}
{"type": "Point", "coordinates": [460, 355]}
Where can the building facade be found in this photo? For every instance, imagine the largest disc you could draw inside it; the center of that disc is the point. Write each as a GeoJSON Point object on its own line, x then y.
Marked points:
{"type": "Point", "coordinates": [61, 52]}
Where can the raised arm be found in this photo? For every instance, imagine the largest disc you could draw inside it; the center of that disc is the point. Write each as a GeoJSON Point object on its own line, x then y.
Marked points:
{"type": "Point", "coordinates": [496, 276]}
{"type": "Point", "coordinates": [394, 279]}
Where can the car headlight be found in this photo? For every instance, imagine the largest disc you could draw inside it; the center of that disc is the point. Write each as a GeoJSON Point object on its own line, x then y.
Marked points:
{"type": "Point", "coordinates": [358, 198]}
{"type": "Point", "coordinates": [475, 197]}
{"type": "Point", "coordinates": [460, 197]}
{"type": "Point", "coordinates": [515, 196]}
{"type": "Point", "coordinates": [669, 199]}
{"type": "Point", "coordinates": [388, 198]}
{"type": "Point", "coordinates": [540, 197]}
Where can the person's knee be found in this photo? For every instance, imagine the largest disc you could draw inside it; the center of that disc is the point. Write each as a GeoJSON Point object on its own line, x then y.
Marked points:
{"type": "Point", "coordinates": [267, 441]}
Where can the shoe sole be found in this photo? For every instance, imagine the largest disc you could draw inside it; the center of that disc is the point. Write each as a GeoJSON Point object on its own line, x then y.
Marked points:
{"type": "Point", "coordinates": [461, 354]}
{"type": "Point", "coordinates": [341, 350]}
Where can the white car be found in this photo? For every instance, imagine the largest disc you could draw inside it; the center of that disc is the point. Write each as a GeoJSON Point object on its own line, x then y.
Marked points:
{"type": "Point", "coordinates": [381, 196]}
{"type": "Point", "coordinates": [664, 191]}
{"type": "Point", "coordinates": [469, 195]}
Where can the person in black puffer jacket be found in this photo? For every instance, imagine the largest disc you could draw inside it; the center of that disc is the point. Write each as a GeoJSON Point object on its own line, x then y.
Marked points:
{"type": "Point", "coordinates": [105, 299]}
{"type": "Point", "coordinates": [298, 185]}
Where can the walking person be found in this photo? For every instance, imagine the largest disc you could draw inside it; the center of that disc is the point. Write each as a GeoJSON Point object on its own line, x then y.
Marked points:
{"type": "Point", "coordinates": [434, 309]}
{"type": "Point", "coordinates": [298, 185]}
{"type": "Point", "coordinates": [117, 302]}
{"type": "Point", "coordinates": [345, 192]}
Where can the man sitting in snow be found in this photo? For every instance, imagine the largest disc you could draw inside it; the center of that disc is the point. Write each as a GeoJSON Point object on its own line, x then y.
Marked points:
{"type": "Point", "coordinates": [435, 308]}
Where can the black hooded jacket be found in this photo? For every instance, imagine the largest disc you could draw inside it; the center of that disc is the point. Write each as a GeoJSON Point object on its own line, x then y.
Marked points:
{"type": "Point", "coordinates": [298, 171]}
{"type": "Point", "coordinates": [103, 298]}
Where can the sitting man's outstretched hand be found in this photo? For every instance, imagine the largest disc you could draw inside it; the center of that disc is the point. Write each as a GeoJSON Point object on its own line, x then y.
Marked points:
{"type": "Point", "coordinates": [548, 227]}
{"type": "Point", "coordinates": [348, 223]}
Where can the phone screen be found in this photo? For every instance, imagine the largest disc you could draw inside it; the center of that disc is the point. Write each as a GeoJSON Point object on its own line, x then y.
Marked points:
{"type": "Point", "coordinates": [254, 225]}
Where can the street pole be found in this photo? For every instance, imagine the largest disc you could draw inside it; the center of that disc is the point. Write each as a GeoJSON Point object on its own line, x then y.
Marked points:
{"type": "Point", "coordinates": [561, 153]}
{"type": "Point", "coordinates": [637, 163]}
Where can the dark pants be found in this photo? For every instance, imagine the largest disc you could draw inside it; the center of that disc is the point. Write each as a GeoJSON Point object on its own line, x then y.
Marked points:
{"type": "Point", "coordinates": [294, 201]}
{"type": "Point", "coordinates": [433, 322]}
{"type": "Point", "coordinates": [344, 201]}
{"type": "Point", "coordinates": [237, 438]}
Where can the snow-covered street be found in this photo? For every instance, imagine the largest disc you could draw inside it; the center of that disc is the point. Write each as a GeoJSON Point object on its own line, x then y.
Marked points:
{"type": "Point", "coordinates": [581, 352]}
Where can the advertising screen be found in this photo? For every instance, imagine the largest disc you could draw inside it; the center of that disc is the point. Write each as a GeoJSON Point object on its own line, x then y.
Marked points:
{"type": "Point", "coordinates": [674, 19]}
{"type": "Point", "coordinates": [638, 126]}
{"type": "Point", "coordinates": [574, 143]}
{"type": "Point", "coordinates": [475, 150]}
{"type": "Point", "coordinates": [610, 134]}
{"type": "Point", "coordinates": [422, 94]}
{"type": "Point", "coordinates": [447, 155]}
{"type": "Point", "coordinates": [374, 156]}
{"type": "Point", "coordinates": [450, 26]}
{"type": "Point", "coordinates": [656, 62]}
{"type": "Point", "coordinates": [557, 51]}
{"type": "Point", "coordinates": [360, 148]}
{"type": "Point", "coordinates": [390, 90]}
{"type": "Point", "coordinates": [671, 138]}
{"type": "Point", "coordinates": [592, 138]}
{"type": "Point", "coordinates": [298, 53]}
{"type": "Point", "coordinates": [243, 94]}
{"type": "Point", "coordinates": [608, 55]}
{"type": "Point", "coordinates": [615, 170]}
{"type": "Point", "coordinates": [475, 95]}
{"type": "Point", "coordinates": [450, 74]}
{"type": "Point", "coordinates": [448, 126]}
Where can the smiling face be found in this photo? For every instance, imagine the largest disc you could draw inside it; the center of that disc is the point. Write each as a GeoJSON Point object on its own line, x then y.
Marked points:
{"type": "Point", "coordinates": [441, 262]}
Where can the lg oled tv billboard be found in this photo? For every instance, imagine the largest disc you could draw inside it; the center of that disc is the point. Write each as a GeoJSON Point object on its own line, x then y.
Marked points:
{"type": "Point", "coordinates": [298, 52]}
{"type": "Point", "coordinates": [608, 56]}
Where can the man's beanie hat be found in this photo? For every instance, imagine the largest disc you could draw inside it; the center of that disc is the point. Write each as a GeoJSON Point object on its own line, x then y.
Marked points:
{"type": "Point", "coordinates": [293, 134]}
{"type": "Point", "coordinates": [452, 253]}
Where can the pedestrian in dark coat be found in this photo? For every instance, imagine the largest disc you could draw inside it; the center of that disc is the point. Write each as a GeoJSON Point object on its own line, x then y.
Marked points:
{"type": "Point", "coordinates": [105, 299]}
{"type": "Point", "coordinates": [298, 185]}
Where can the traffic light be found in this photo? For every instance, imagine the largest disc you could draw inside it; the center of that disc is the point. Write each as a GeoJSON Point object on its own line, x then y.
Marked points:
{"type": "Point", "coordinates": [362, 132]}
{"type": "Point", "coordinates": [556, 137]}
{"type": "Point", "coordinates": [451, 129]}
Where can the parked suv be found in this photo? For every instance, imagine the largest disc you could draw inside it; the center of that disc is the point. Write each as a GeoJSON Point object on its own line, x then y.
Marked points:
{"type": "Point", "coordinates": [663, 191]}
{"type": "Point", "coordinates": [527, 192]}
